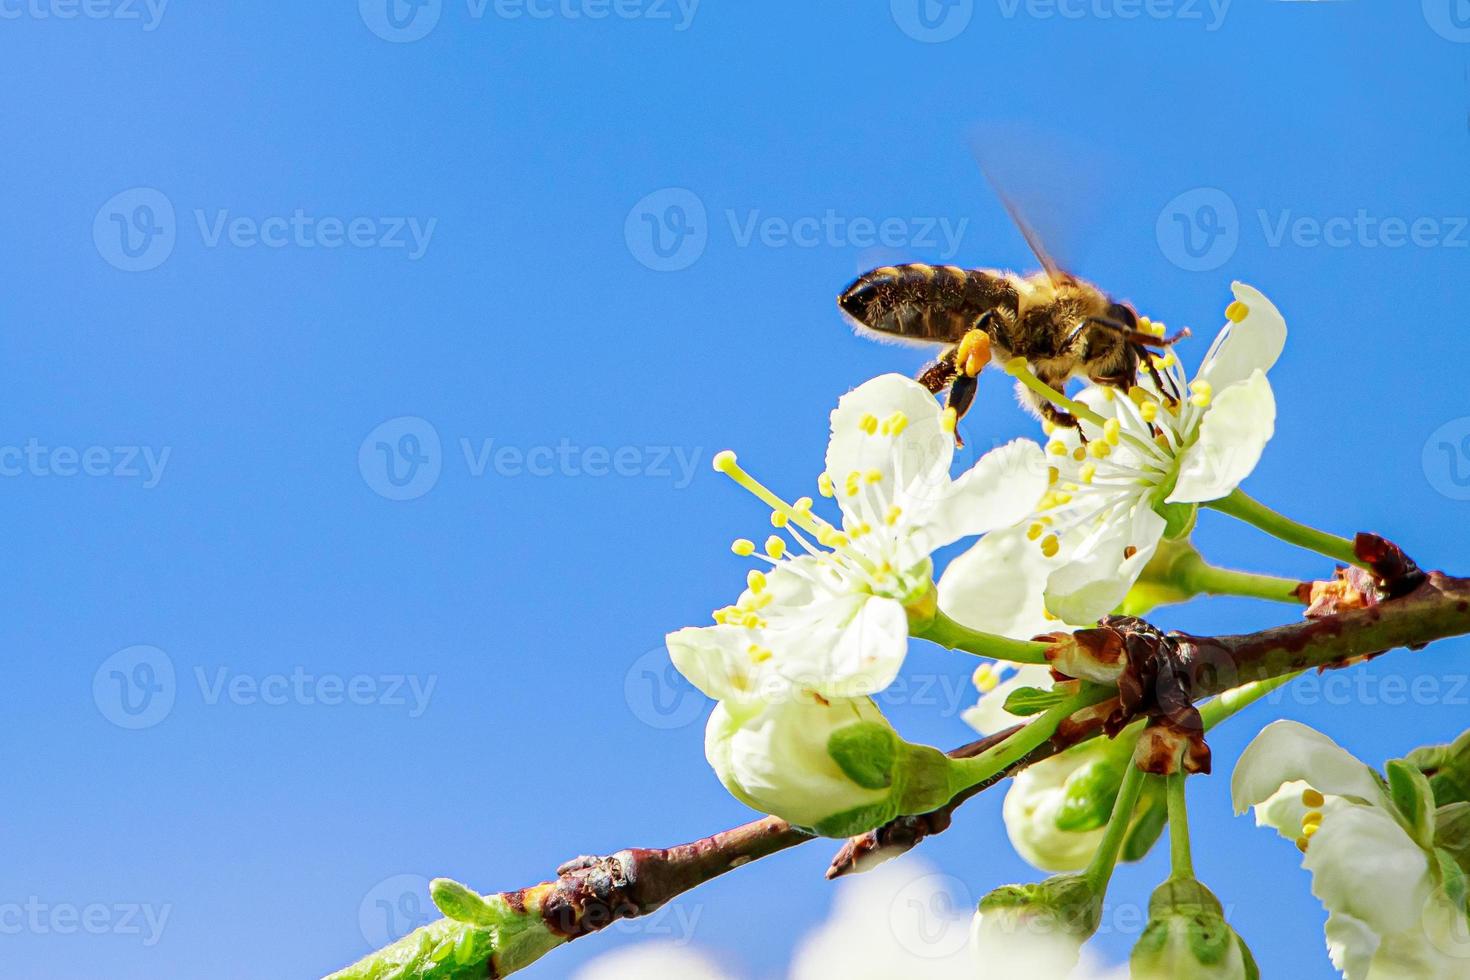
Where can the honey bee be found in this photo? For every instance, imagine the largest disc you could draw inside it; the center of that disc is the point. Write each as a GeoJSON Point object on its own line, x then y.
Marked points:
{"type": "Point", "coordinates": [1063, 326]}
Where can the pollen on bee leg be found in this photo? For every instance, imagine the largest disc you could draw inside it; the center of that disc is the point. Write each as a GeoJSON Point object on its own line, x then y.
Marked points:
{"type": "Point", "coordinates": [1237, 311]}
{"type": "Point", "coordinates": [974, 352]}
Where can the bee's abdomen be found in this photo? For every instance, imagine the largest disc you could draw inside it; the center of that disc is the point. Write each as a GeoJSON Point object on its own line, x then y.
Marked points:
{"type": "Point", "coordinates": [925, 302]}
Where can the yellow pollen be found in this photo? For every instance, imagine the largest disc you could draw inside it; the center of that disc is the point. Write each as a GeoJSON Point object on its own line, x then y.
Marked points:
{"type": "Point", "coordinates": [1311, 818]}
{"type": "Point", "coordinates": [775, 547]}
{"type": "Point", "coordinates": [1034, 531]}
{"type": "Point", "coordinates": [1310, 829]}
{"type": "Point", "coordinates": [985, 678]}
{"type": "Point", "coordinates": [1201, 400]}
{"type": "Point", "coordinates": [721, 616]}
{"type": "Point", "coordinates": [868, 423]}
{"type": "Point", "coordinates": [1137, 395]}
{"type": "Point", "coordinates": [778, 519]}
{"type": "Point", "coordinates": [1087, 472]}
{"type": "Point", "coordinates": [1202, 387]}
{"type": "Point", "coordinates": [756, 580]}
{"type": "Point", "coordinates": [1149, 411]}
{"type": "Point", "coordinates": [1236, 311]}
{"type": "Point", "coordinates": [895, 424]}
{"type": "Point", "coordinates": [750, 621]}
{"type": "Point", "coordinates": [1301, 844]}
{"type": "Point", "coordinates": [949, 420]}
{"type": "Point", "coordinates": [759, 654]}
{"type": "Point", "coordinates": [1109, 394]}
{"type": "Point", "coordinates": [1053, 475]}
{"type": "Point", "coordinates": [874, 476]}
{"type": "Point", "coordinates": [1057, 448]}
{"type": "Point", "coordinates": [724, 461]}
{"type": "Point", "coordinates": [743, 547]}
{"type": "Point", "coordinates": [891, 518]}
{"type": "Point", "coordinates": [1079, 454]}
{"type": "Point", "coordinates": [1099, 449]}
{"type": "Point", "coordinates": [1048, 426]}
{"type": "Point", "coordinates": [1113, 431]}
{"type": "Point", "coordinates": [1050, 546]}
{"type": "Point", "coordinates": [1165, 361]}
{"type": "Point", "coordinates": [1313, 799]}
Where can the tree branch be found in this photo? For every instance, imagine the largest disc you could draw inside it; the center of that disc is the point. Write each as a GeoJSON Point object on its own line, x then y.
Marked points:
{"type": "Point", "coordinates": [590, 893]}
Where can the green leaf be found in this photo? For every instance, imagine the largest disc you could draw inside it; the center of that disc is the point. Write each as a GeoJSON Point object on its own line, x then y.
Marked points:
{"type": "Point", "coordinates": [1413, 797]}
{"type": "Point", "coordinates": [865, 752]}
{"type": "Point", "coordinates": [1026, 701]}
{"type": "Point", "coordinates": [1448, 769]}
{"type": "Point", "coordinates": [1148, 824]}
{"type": "Point", "coordinates": [461, 903]}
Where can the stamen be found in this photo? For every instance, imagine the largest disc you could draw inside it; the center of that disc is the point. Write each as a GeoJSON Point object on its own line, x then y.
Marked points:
{"type": "Point", "coordinates": [775, 547]}
{"type": "Point", "coordinates": [1050, 545]}
{"type": "Point", "coordinates": [756, 581]}
{"type": "Point", "coordinates": [868, 423]}
{"type": "Point", "coordinates": [1021, 371]}
{"type": "Point", "coordinates": [725, 462]}
{"type": "Point", "coordinates": [1312, 799]}
{"type": "Point", "coordinates": [894, 514]}
{"type": "Point", "coordinates": [895, 424]}
{"type": "Point", "coordinates": [743, 547]}
{"type": "Point", "coordinates": [1237, 311]}
{"type": "Point", "coordinates": [824, 485]}
{"type": "Point", "coordinates": [759, 654]}
{"type": "Point", "coordinates": [986, 678]}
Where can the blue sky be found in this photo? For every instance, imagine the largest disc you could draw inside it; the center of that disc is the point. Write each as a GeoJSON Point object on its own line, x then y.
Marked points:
{"type": "Point", "coordinates": [257, 674]}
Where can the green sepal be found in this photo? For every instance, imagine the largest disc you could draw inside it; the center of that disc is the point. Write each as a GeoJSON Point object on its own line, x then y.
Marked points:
{"type": "Point", "coordinates": [1448, 769]}
{"type": "Point", "coordinates": [1452, 832]}
{"type": "Point", "coordinates": [1027, 701]}
{"type": "Point", "coordinates": [1068, 900]}
{"type": "Point", "coordinates": [1089, 794]}
{"type": "Point", "coordinates": [1413, 797]}
{"type": "Point", "coordinates": [866, 753]}
{"type": "Point", "coordinates": [1452, 878]}
{"type": "Point", "coordinates": [1184, 908]}
{"type": "Point", "coordinates": [1149, 819]}
{"type": "Point", "coordinates": [1179, 520]}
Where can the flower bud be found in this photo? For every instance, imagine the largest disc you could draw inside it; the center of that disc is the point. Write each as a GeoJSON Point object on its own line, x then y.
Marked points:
{"type": "Point", "coordinates": [1187, 936]}
{"type": "Point", "coordinates": [1057, 810]}
{"type": "Point", "coordinates": [1035, 931]}
{"type": "Point", "coordinates": [834, 767]}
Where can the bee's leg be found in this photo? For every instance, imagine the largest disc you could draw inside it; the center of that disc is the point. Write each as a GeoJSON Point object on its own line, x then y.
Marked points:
{"type": "Point", "coordinates": [937, 376]}
{"type": "Point", "coordinates": [961, 395]}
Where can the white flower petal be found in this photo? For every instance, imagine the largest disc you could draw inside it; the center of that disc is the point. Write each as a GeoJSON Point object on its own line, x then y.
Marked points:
{"type": "Point", "coordinates": [998, 491]}
{"type": "Point", "coordinates": [1098, 573]}
{"type": "Point", "coordinates": [1350, 945]}
{"type": "Point", "coordinates": [1036, 949]}
{"type": "Point", "coordinates": [1286, 751]}
{"type": "Point", "coordinates": [1283, 810]}
{"type": "Point", "coordinates": [716, 660]}
{"type": "Point", "coordinates": [997, 585]}
{"type": "Point", "coordinates": [919, 455]}
{"type": "Point", "coordinates": [1030, 811]}
{"type": "Point", "coordinates": [1364, 864]}
{"type": "Point", "coordinates": [1232, 435]}
{"type": "Point", "coordinates": [1243, 348]}
{"type": "Point", "coordinates": [853, 645]}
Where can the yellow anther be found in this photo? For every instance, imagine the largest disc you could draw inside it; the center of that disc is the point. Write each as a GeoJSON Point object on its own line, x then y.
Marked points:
{"type": "Point", "coordinates": [1048, 426]}
{"type": "Point", "coordinates": [778, 519]}
{"type": "Point", "coordinates": [1237, 311]}
{"type": "Point", "coordinates": [775, 547]}
{"type": "Point", "coordinates": [949, 420]}
{"type": "Point", "coordinates": [873, 476]}
{"type": "Point", "coordinates": [830, 537]}
{"type": "Point", "coordinates": [895, 424]}
{"type": "Point", "coordinates": [802, 505]}
{"type": "Point", "coordinates": [1033, 532]}
{"type": "Point", "coordinates": [750, 621]}
{"type": "Point", "coordinates": [862, 529]}
{"type": "Point", "coordinates": [1201, 387]}
{"type": "Point", "coordinates": [1050, 545]}
{"type": "Point", "coordinates": [868, 423]}
{"type": "Point", "coordinates": [1113, 431]}
{"type": "Point", "coordinates": [1312, 799]}
{"type": "Point", "coordinates": [721, 616]}
{"type": "Point", "coordinates": [1301, 844]}
{"type": "Point", "coordinates": [986, 678]}
{"type": "Point", "coordinates": [1149, 411]}
{"type": "Point", "coordinates": [1088, 471]}
{"type": "Point", "coordinates": [743, 547]}
{"type": "Point", "coordinates": [1062, 498]}
{"type": "Point", "coordinates": [1201, 400]}
{"type": "Point", "coordinates": [1310, 829]}
{"type": "Point", "coordinates": [893, 515]}
{"type": "Point", "coordinates": [1052, 475]}
{"type": "Point", "coordinates": [1137, 395]}
{"type": "Point", "coordinates": [1099, 449]}
{"type": "Point", "coordinates": [1165, 361]}
{"type": "Point", "coordinates": [1108, 394]}
{"type": "Point", "coordinates": [1049, 615]}
{"type": "Point", "coordinates": [824, 485]}
{"type": "Point", "coordinates": [1057, 448]}
{"type": "Point", "coordinates": [1162, 441]}
{"type": "Point", "coordinates": [756, 580]}
{"type": "Point", "coordinates": [1080, 453]}
{"type": "Point", "coordinates": [759, 654]}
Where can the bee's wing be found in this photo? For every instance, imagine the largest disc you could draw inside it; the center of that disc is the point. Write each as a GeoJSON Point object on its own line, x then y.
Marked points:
{"type": "Point", "coordinates": [1047, 183]}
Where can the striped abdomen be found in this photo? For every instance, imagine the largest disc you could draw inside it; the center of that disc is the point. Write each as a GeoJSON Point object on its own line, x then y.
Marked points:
{"type": "Point", "coordinates": [925, 303]}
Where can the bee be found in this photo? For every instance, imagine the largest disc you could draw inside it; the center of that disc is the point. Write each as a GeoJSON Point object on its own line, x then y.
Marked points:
{"type": "Point", "coordinates": [1063, 326]}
